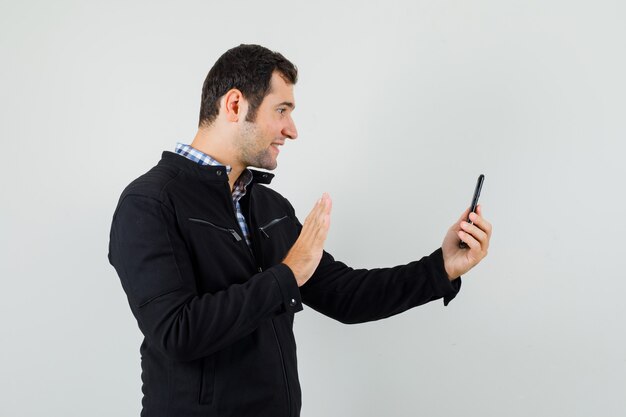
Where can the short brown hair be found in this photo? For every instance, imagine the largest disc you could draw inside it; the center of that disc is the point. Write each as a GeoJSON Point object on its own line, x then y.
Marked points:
{"type": "Point", "coordinates": [248, 68]}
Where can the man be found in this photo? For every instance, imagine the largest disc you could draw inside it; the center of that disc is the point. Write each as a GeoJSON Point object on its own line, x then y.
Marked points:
{"type": "Point", "coordinates": [215, 264]}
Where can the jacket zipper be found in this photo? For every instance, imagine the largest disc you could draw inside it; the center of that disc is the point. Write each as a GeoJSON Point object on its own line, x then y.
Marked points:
{"type": "Point", "coordinates": [260, 269]}
{"type": "Point", "coordinates": [282, 360]}
{"type": "Point", "coordinates": [233, 232]}
{"type": "Point", "coordinates": [269, 225]}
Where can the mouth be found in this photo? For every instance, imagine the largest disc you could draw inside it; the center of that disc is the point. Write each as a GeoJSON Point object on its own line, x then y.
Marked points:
{"type": "Point", "coordinates": [275, 146]}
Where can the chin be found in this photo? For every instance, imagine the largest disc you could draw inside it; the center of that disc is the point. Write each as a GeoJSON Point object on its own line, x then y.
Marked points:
{"type": "Point", "coordinates": [270, 166]}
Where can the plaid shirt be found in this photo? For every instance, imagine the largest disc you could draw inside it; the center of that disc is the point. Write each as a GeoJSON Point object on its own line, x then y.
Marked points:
{"type": "Point", "coordinates": [239, 189]}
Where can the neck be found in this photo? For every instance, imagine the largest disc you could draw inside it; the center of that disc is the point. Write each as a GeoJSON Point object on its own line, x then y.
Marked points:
{"type": "Point", "coordinates": [219, 146]}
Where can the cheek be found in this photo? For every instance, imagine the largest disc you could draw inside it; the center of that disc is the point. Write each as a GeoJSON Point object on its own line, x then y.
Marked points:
{"type": "Point", "coordinates": [271, 131]}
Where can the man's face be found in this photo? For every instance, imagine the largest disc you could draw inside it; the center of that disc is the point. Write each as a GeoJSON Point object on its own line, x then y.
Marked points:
{"type": "Point", "coordinates": [258, 141]}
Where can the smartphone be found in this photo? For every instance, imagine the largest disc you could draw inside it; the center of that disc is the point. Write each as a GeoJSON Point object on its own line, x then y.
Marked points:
{"type": "Point", "coordinates": [479, 186]}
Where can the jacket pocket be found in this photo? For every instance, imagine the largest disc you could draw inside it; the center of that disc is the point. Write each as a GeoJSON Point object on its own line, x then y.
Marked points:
{"type": "Point", "coordinates": [267, 226]}
{"type": "Point", "coordinates": [232, 232]}
{"type": "Point", "coordinates": [274, 239]}
{"type": "Point", "coordinates": [207, 380]}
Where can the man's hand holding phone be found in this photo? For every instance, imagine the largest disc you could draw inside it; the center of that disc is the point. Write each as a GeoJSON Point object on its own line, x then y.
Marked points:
{"type": "Point", "coordinates": [474, 233]}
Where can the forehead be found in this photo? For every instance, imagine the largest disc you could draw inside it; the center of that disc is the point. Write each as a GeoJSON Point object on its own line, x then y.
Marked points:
{"type": "Point", "coordinates": [280, 90]}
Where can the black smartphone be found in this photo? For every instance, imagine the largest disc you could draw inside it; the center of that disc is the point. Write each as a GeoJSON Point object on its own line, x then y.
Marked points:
{"type": "Point", "coordinates": [479, 186]}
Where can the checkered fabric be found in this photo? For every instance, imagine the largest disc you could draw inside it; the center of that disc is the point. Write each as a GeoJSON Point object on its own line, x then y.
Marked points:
{"type": "Point", "coordinates": [239, 189]}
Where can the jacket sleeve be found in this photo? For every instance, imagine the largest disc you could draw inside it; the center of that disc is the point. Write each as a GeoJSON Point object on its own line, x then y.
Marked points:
{"type": "Point", "coordinates": [156, 274]}
{"type": "Point", "coordinates": [360, 295]}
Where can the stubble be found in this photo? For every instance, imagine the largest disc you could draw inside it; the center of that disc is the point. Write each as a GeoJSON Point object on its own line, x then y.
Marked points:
{"type": "Point", "coordinates": [252, 148]}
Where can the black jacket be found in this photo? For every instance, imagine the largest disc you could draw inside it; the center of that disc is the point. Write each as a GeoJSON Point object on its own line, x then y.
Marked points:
{"type": "Point", "coordinates": [217, 316]}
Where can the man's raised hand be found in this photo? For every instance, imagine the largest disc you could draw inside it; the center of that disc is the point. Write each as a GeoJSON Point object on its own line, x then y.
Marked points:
{"type": "Point", "coordinates": [306, 253]}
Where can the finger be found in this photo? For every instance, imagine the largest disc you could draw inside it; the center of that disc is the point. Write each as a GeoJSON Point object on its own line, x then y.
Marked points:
{"type": "Point", "coordinates": [315, 206]}
{"type": "Point", "coordinates": [315, 210]}
{"type": "Point", "coordinates": [307, 234]}
{"type": "Point", "coordinates": [322, 202]}
{"type": "Point", "coordinates": [329, 209]}
{"type": "Point", "coordinates": [321, 210]}
{"type": "Point", "coordinates": [473, 244]}
{"type": "Point", "coordinates": [330, 204]}
{"type": "Point", "coordinates": [323, 217]}
{"type": "Point", "coordinates": [322, 232]}
{"type": "Point", "coordinates": [325, 208]}
{"type": "Point", "coordinates": [476, 232]}
{"type": "Point", "coordinates": [480, 221]}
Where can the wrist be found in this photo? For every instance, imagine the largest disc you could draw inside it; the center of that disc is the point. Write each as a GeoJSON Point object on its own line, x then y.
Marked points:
{"type": "Point", "coordinates": [452, 274]}
{"type": "Point", "coordinates": [449, 273]}
{"type": "Point", "coordinates": [294, 272]}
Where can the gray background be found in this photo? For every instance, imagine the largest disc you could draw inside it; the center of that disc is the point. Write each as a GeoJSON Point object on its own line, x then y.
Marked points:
{"type": "Point", "coordinates": [401, 104]}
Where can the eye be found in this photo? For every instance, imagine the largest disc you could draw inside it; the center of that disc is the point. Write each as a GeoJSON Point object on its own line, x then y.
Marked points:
{"type": "Point", "coordinates": [281, 110]}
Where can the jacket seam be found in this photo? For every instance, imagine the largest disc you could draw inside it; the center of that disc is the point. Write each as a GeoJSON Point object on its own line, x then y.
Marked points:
{"type": "Point", "coordinates": [169, 241]}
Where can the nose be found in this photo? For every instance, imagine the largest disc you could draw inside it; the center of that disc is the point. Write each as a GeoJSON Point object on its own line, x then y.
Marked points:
{"type": "Point", "coordinates": [290, 130]}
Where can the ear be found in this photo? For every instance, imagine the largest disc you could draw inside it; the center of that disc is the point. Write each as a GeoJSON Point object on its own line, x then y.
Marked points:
{"type": "Point", "coordinates": [233, 105]}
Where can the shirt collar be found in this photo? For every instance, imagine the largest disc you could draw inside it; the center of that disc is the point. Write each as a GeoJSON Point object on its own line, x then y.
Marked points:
{"type": "Point", "coordinates": [201, 158]}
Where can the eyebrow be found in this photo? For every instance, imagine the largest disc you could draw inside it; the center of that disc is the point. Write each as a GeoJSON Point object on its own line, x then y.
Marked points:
{"type": "Point", "coordinates": [288, 104]}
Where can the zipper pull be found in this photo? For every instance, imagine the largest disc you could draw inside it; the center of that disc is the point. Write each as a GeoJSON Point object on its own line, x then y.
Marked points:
{"type": "Point", "coordinates": [260, 269]}
{"type": "Point", "coordinates": [235, 234]}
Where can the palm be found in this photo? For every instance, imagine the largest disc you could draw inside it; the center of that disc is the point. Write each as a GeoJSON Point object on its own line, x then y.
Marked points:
{"type": "Point", "coordinates": [458, 261]}
{"type": "Point", "coordinates": [455, 258]}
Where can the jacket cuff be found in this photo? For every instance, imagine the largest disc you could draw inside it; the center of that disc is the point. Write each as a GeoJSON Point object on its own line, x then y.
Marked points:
{"type": "Point", "coordinates": [290, 292]}
{"type": "Point", "coordinates": [442, 286]}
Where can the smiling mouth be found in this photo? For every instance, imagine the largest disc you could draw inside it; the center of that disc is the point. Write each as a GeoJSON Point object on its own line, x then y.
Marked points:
{"type": "Point", "coordinates": [275, 146]}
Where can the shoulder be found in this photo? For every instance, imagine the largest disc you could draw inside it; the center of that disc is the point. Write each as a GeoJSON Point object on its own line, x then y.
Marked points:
{"type": "Point", "coordinates": [154, 183]}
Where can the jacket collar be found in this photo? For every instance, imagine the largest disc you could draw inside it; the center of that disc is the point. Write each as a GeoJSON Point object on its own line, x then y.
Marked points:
{"type": "Point", "coordinates": [209, 172]}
